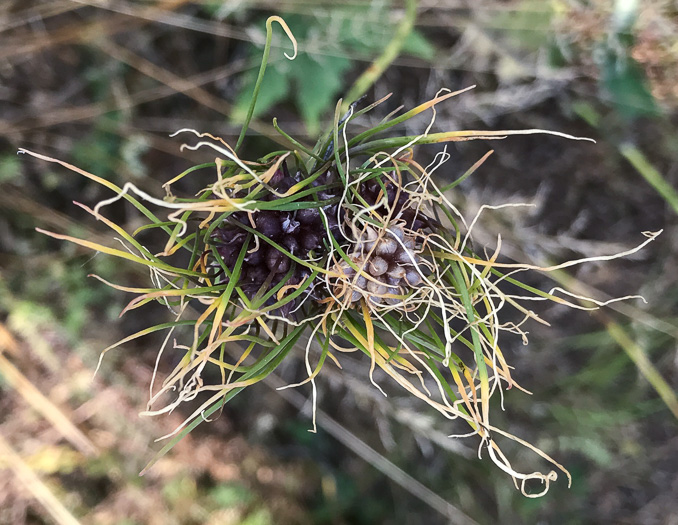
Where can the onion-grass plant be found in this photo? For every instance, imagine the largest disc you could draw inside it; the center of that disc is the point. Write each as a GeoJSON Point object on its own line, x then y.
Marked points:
{"type": "Point", "coordinates": [352, 245]}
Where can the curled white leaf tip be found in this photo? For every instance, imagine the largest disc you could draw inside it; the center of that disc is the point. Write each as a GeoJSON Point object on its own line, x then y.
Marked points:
{"type": "Point", "coordinates": [288, 32]}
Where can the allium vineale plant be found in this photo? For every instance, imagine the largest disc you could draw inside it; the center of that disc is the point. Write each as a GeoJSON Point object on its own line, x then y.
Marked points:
{"type": "Point", "coordinates": [351, 245]}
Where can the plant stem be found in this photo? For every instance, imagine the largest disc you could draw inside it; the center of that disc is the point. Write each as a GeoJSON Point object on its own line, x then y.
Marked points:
{"type": "Point", "coordinates": [639, 357]}
{"type": "Point", "coordinates": [639, 161]}
{"type": "Point", "coordinates": [262, 71]}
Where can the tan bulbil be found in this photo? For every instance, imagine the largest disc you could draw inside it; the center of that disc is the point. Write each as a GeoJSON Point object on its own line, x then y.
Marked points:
{"type": "Point", "coordinates": [387, 263]}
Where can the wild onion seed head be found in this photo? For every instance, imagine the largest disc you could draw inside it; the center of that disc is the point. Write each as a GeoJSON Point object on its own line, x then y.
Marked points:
{"type": "Point", "coordinates": [352, 243]}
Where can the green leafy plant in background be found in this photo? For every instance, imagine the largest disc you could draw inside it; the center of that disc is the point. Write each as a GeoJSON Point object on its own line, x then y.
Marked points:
{"type": "Point", "coordinates": [317, 76]}
{"type": "Point", "coordinates": [350, 245]}
{"type": "Point", "coordinates": [599, 35]}
{"type": "Point", "coordinates": [622, 77]}
{"type": "Point", "coordinates": [602, 37]}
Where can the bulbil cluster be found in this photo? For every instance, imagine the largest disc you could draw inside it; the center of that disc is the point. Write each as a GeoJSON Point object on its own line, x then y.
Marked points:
{"type": "Point", "coordinates": [385, 264]}
{"type": "Point", "coordinates": [385, 267]}
{"type": "Point", "coordinates": [301, 232]}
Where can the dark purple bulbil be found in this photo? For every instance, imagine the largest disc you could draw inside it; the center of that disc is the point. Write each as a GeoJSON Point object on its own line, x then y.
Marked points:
{"type": "Point", "coordinates": [277, 262]}
{"type": "Point", "coordinates": [268, 223]}
{"type": "Point", "coordinates": [310, 239]}
{"type": "Point", "coordinates": [292, 244]}
{"type": "Point", "coordinates": [308, 215]}
{"type": "Point", "coordinates": [255, 258]}
{"type": "Point", "coordinates": [414, 220]}
{"type": "Point", "coordinates": [277, 177]}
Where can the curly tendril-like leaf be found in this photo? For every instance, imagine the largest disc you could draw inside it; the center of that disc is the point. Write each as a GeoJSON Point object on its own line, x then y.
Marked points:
{"type": "Point", "coordinates": [262, 70]}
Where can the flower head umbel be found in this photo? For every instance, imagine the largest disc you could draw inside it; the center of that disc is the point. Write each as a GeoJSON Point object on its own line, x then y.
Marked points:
{"type": "Point", "coordinates": [352, 243]}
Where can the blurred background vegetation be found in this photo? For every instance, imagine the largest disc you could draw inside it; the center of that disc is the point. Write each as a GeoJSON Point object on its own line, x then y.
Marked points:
{"type": "Point", "coordinates": [102, 83]}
